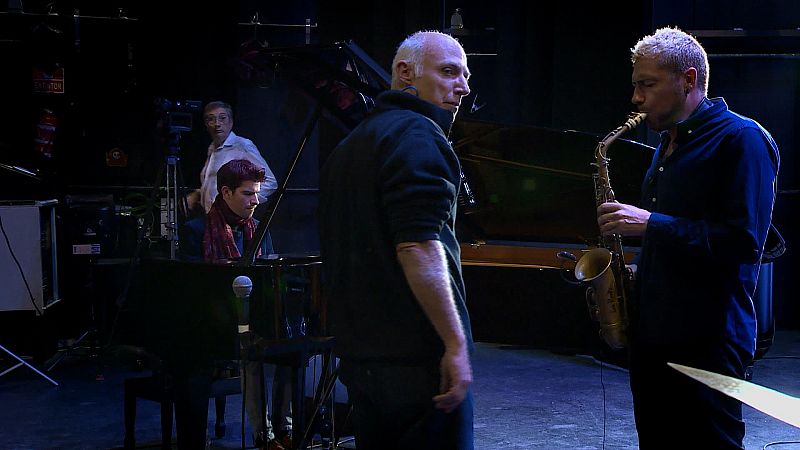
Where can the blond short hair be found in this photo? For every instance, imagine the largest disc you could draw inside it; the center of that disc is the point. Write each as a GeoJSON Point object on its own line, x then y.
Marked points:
{"type": "Point", "coordinates": [674, 50]}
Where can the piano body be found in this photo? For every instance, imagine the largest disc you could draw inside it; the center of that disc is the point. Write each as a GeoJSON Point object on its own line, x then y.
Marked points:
{"type": "Point", "coordinates": [529, 196]}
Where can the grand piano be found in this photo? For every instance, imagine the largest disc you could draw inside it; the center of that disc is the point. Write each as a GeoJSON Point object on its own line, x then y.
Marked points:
{"type": "Point", "coordinates": [528, 196]}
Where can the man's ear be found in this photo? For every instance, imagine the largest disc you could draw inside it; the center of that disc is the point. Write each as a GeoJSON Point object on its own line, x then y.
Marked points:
{"type": "Point", "coordinates": [690, 78]}
{"type": "Point", "coordinates": [405, 72]}
{"type": "Point", "coordinates": [226, 192]}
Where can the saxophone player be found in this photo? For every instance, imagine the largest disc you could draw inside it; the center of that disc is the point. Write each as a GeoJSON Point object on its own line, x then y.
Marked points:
{"type": "Point", "coordinates": [705, 210]}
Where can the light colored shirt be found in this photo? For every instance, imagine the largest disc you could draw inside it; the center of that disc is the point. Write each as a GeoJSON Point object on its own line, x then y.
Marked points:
{"type": "Point", "coordinates": [234, 147]}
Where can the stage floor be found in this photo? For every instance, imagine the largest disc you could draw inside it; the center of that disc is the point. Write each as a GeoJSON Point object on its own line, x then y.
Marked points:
{"type": "Point", "coordinates": [524, 399]}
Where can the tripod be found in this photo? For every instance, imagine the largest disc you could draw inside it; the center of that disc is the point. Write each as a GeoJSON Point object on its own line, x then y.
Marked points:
{"type": "Point", "coordinates": [174, 202]}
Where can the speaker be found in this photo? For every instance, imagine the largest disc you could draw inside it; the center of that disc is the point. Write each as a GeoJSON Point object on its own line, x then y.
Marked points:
{"type": "Point", "coordinates": [28, 254]}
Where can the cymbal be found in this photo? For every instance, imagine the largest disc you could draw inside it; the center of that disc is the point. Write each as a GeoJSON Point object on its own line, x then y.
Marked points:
{"type": "Point", "coordinates": [769, 401]}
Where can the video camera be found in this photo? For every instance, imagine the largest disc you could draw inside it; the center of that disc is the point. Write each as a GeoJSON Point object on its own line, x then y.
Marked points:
{"type": "Point", "coordinates": [178, 114]}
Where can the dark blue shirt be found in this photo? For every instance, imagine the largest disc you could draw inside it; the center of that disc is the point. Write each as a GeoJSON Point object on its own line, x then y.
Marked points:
{"type": "Point", "coordinates": [711, 202]}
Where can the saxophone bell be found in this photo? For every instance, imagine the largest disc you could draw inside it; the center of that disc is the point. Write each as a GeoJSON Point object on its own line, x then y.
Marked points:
{"type": "Point", "coordinates": [603, 298]}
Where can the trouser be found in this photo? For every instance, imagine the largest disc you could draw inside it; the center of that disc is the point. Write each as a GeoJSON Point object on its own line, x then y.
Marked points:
{"type": "Point", "coordinates": [672, 409]}
{"type": "Point", "coordinates": [393, 408]}
{"type": "Point", "coordinates": [280, 404]}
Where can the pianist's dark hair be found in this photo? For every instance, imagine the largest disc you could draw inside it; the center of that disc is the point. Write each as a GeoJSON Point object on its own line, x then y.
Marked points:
{"type": "Point", "coordinates": [236, 171]}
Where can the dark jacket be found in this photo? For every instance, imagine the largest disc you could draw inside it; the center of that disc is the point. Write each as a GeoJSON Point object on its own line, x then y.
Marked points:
{"type": "Point", "coordinates": [394, 179]}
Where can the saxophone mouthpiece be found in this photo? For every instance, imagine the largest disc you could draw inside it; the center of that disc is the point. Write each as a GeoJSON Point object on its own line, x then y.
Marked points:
{"type": "Point", "coordinates": [634, 119]}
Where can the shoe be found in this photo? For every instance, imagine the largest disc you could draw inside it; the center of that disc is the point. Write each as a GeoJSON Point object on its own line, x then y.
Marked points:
{"type": "Point", "coordinates": [259, 440]}
{"type": "Point", "coordinates": [275, 445]}
{"type": "Point", "coordinates": [284, 441]}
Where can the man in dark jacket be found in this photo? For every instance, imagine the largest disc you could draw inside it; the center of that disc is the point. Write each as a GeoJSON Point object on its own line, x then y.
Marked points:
{"type": "Point", "coordinates": [392, 262]}
{"type": "Point", "coordinates": [705, 211]}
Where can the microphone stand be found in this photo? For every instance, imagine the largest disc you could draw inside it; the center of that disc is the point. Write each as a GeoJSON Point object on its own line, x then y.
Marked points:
{"type": "Point", "coordinates": [242, 287]}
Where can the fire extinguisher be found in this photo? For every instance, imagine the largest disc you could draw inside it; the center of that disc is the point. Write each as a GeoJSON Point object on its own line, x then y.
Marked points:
{"type": "Point", "coordinates": [45, 132]}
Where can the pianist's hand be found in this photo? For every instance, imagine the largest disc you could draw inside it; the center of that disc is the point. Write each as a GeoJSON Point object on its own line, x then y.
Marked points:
{"type": "Point", "coordinates": [622, 219]}
{"type": "Point", "coordinates": [456, 378]}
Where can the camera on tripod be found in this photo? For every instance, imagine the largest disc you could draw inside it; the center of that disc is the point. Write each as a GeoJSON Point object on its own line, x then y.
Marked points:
{"type": "Point", "coordinates": [178, 114]}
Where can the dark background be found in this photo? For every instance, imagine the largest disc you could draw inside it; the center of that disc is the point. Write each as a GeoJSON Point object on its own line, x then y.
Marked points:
{"type": "Point", "coordinates": [560, 65]}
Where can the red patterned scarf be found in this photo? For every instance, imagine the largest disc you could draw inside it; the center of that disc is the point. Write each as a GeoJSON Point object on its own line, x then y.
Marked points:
{"type": "Point", "coordinates": [218, 243]}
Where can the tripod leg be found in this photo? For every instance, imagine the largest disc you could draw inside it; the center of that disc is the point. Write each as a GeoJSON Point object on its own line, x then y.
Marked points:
{"type": "Point", "coordinates": [21, 362]}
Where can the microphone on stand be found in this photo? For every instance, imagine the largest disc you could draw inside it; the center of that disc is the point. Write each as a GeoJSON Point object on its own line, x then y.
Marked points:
{"type": "Point", "coordinates": [242, 287]}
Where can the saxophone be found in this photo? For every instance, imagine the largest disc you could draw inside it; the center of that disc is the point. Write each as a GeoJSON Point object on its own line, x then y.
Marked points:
{"type": "Point", "coordinates": [611, 282]}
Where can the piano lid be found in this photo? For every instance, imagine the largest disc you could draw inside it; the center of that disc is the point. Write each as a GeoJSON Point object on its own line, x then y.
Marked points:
{"type": "Point", "coordinates": [535, 184]}
{"type": "Point", "coordinates": [341, 76]}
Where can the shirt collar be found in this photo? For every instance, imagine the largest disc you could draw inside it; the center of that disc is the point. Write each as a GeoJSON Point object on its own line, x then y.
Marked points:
{"type": "Point", "coordinates": [700, 114]}
{"type": "Point", "coordinates": [228, 141]}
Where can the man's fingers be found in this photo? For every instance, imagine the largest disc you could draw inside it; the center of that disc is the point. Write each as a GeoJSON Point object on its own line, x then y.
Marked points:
{"type": "Point", "coordinates": [450, 399]}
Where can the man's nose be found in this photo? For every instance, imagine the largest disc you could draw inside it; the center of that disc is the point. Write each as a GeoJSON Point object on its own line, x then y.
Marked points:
{"type": "Point", "coordinates": [462, 87]}
{"type": "Point", "coordinates": [637, 98]}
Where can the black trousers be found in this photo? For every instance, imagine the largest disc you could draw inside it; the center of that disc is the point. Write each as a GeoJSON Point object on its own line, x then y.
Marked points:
{"type": "Point", "coordinates": [675, 411]}
{"type": "Point", "coordinates": [393, 409]}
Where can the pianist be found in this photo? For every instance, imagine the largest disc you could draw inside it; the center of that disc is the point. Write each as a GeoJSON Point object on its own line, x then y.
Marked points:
{"type": "Point", "coordinates": [391, 260]}
{"type": "Point", "coordinates": [221, 236]}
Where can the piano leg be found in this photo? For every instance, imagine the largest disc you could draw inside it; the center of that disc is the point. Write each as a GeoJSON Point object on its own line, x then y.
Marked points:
{"type": "Point", "coordinates": [191, 408]}
{"type": "Point", "coordinates": [298, 411]}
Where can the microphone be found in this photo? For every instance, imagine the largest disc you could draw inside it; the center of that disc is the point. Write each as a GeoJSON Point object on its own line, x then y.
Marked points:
{"type": "Point", "coordinates": [242, 287]}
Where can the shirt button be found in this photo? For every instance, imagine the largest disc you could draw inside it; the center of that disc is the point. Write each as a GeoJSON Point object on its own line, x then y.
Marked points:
{"type": "Point", "coordinates": [653, 199]}
{"type": "Point", "coordinates": [661, 169]}
{"type": "Point", "coordinates": [688, 131]}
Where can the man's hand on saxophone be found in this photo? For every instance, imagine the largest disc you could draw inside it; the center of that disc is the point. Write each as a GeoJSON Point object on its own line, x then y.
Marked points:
{"type": "Point", "coordinates": [622, 219]}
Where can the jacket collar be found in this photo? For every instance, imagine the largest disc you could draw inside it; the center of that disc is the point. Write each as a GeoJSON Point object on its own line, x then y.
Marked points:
{"type": "Point", "coordinates": [394, 99]}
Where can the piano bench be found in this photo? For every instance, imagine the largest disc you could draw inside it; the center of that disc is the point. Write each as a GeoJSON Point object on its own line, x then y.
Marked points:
{"type": "Point", "coordinates": [154, 388]}
{"type": "Point", "coordinates": [295, 354]}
